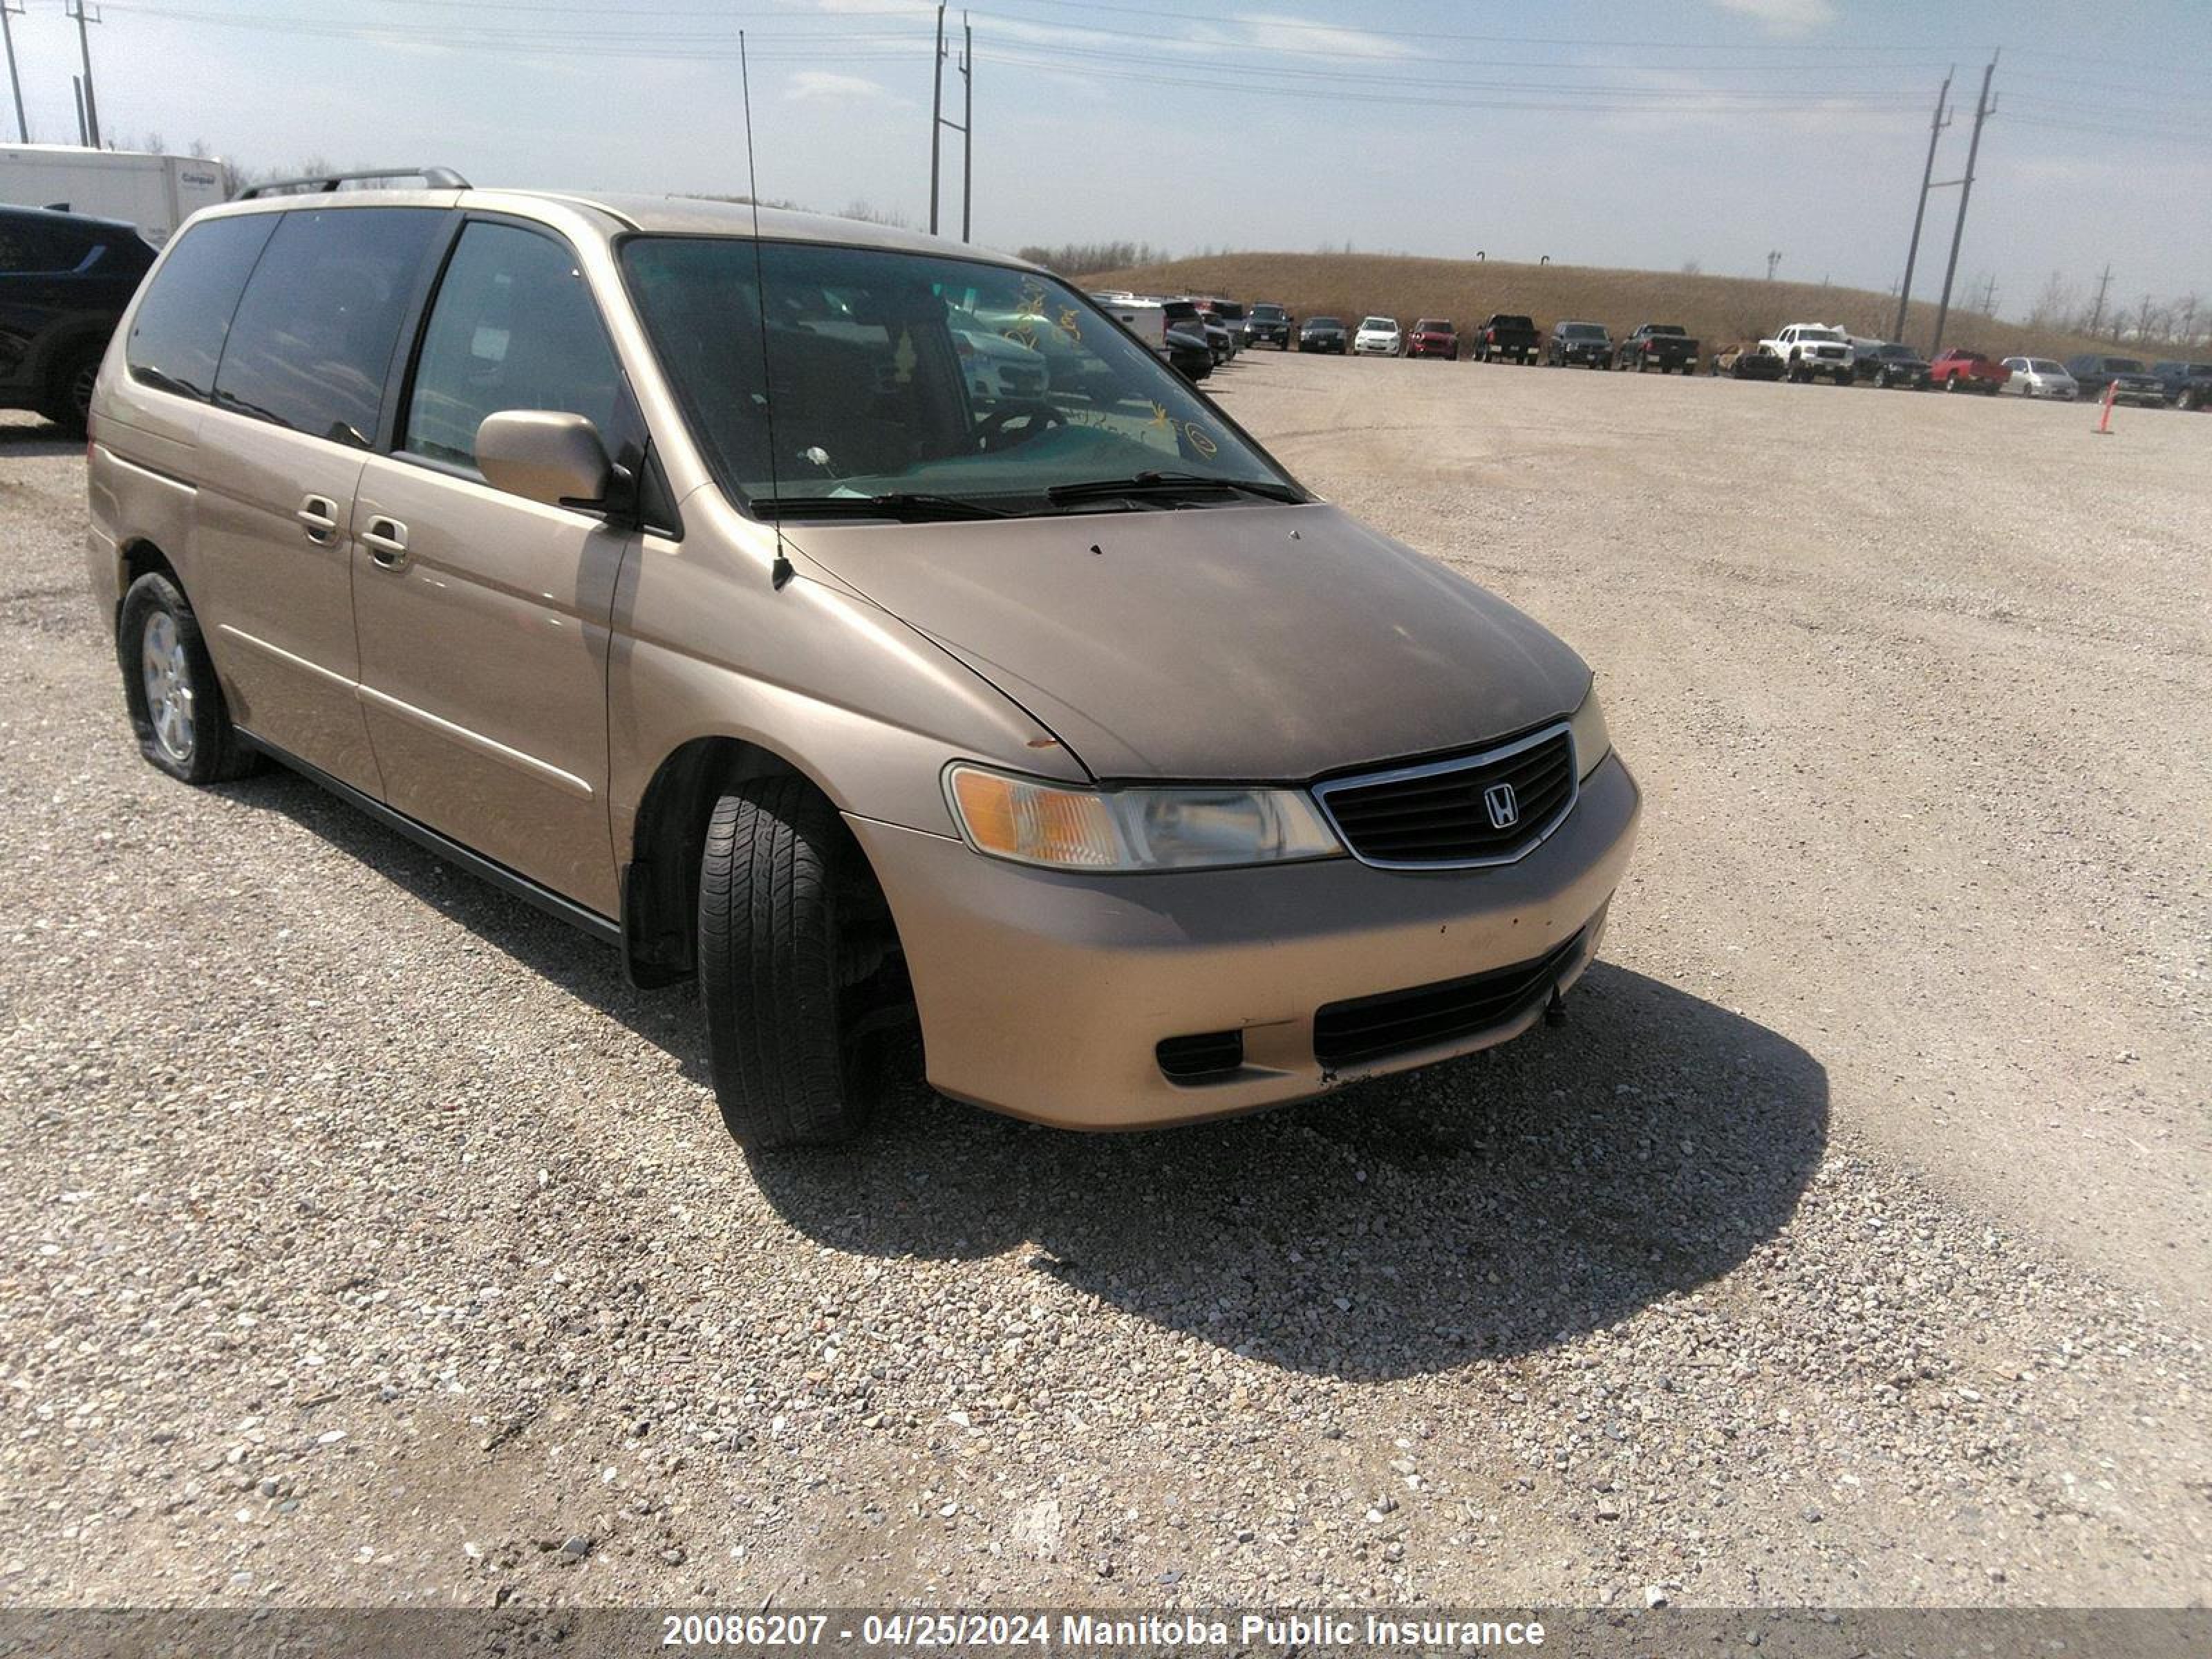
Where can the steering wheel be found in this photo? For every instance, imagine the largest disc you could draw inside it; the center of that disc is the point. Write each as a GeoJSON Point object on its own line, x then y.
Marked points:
{"type": "Point", "coordinates": [1016, 422]}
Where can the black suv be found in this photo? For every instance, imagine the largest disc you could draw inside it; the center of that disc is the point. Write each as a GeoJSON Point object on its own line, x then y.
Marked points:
{"type": "Point", "coordinates": [65, 280]}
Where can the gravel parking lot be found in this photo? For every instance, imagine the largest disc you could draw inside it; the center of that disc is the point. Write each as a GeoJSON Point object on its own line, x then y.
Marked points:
{"type": "Point", "coordinates": [368, 1240]}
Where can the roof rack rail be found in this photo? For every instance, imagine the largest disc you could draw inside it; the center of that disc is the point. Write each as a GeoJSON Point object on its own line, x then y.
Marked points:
{"type": "Point", "coordinates": [432, 177]}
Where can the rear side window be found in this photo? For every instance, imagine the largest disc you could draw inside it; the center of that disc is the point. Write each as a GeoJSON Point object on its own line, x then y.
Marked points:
{"type": "Point", "coordinates": [313, 340]}
{"type": "Point", "coordinates": [513, 327]}
{"type": "Point", "coordinates": [177, 336]}
{"type": "Point", "coordinates": [30, 245]}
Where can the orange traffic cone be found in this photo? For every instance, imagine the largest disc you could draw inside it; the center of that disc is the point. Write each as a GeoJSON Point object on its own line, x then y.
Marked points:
{"type": "Point", "coordinates": [2104, 427]}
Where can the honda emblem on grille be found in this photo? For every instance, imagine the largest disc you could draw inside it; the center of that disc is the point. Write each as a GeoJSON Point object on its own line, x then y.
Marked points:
{"type": "Point", "coordinates": [1502, 805]}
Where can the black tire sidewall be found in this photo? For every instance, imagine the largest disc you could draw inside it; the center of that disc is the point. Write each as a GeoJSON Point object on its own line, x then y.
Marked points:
{"type": "Point", "coordinates": [217, 753]}
{"type": "Point", "coordinates": [773, 879]}
{"type": "Point", "coordinates": [61, 406]}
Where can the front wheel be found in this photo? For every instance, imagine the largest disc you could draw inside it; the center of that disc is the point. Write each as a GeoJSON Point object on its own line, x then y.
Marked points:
{"type": "Point", "coordinates": [795, 958]}
{"type": "Point", "coordinates": [169, 686]}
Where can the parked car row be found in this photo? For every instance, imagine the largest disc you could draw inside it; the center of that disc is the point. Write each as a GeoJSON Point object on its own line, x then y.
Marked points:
{"type": "Point", "coordinates": [1195, 335]}
{"type": "Point", "coordinates": [1809, 351]}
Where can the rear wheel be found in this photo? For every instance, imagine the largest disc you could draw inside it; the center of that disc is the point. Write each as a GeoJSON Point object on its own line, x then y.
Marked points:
{"type": "Point", "coordinates": [798, 966]}
{"type": "Point", "coordinates": [169, 686]}
{"type": "Point", "coordinates": [69, 389]}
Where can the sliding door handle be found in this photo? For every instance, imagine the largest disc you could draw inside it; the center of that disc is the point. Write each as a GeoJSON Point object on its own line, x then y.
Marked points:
{"type": "Point", "coordinates": [386, 542]}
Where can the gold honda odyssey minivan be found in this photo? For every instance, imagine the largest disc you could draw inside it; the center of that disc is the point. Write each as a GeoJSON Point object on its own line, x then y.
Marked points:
{"type": "Point", "coordinates": [864, 625]}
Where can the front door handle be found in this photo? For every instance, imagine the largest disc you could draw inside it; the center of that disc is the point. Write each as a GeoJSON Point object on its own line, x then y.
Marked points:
{"type": "Point", "coordinates": [319, 516]}
{"type": "Point", "coordinates": [386, 542]}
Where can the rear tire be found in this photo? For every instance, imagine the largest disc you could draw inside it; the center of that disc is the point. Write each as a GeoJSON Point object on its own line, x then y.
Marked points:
{"type": "Point", "coordinates": [68, 401]}
{"type": "Point", "coordinates": [780, 885]}
{"type": "Point", "coordinates": [169, 685]}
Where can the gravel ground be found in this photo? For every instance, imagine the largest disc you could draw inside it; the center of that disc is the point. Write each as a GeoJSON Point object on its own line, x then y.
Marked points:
{"type": "Point", "coordinates": [366, 1240]}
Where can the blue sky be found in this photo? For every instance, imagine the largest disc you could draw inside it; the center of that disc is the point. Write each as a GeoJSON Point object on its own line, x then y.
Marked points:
{"type": "Point", "coordinates": [1624, 133]}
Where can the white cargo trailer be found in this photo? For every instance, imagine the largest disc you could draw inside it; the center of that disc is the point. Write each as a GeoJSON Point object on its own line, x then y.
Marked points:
{"type": "Point", "coordinates": [156, 193]}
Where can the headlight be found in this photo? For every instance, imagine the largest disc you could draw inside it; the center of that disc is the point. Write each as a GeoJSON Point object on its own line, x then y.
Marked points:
{"type": "Point", "coordinates": [1593, 743]}
{"type": "Point", "coordinates": [1032, 822]}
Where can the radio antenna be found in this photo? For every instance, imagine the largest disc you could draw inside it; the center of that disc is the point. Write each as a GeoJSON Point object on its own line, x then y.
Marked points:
{"type": "Point", "coordinates": [780, 572]}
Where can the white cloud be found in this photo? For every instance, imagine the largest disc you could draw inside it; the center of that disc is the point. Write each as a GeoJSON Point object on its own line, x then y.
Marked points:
{"type": "Point", "coordinates": [1267, 28]}
{"type": "Point", "coordinates": [1784, 16]}
{"type": "Point", "coordinates": [826, 85]}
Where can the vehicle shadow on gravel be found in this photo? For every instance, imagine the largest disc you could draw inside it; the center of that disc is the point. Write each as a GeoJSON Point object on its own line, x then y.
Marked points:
{"type": "Point", "coordinates": [1486, 1207]}
{"type": "Point", "coordinates": [31, 436]}
{"type": "Point", "coordinates": [1490, 1206]}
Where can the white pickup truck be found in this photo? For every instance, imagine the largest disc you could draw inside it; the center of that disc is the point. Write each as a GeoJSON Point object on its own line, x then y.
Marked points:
{"type": "Point", "coordinates": [1146, 318]}
{"type": "Point", "coordinates": [1810, 349]}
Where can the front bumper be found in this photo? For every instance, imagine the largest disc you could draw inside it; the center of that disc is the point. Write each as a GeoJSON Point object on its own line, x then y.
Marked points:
{"type": "Point", "coordinates": [1045, 994]}
{"type": "Point", "coordinates": [1375, 347]}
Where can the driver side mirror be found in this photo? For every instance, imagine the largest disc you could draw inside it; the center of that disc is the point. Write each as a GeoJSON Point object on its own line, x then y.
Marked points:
{"type": "Point", "coordinates": [546, 455]}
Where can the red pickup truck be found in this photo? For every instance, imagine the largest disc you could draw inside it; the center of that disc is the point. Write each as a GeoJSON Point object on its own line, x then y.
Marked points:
{"type": "Point", "coordinates": [1961, 370]}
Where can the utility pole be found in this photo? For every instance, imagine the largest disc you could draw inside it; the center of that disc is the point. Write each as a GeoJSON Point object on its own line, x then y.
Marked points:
{"type": "Point", "coordinates": [1984, 107]}
{"type": "Point", "coordinates": [1936, 125]}
{"type": "Point", "coordinates": [937, 121]}
{"type": "Point", "coordinates": [968, 130]}
{"type": "Point", "coordinates": [15, 81]}
{"type": "Point", "coordinates": [2096, 311]}
{"type": "Point", "coordinates": [81, 11]}
{"type": "Point", "coordinates": [77, 89]}
{"type": "Point", "coordinates": [936, 111]}
{"type": "Point", "coordinates": [1990, 296]}
{"type": "Point", "coordinates": [1772, 260]}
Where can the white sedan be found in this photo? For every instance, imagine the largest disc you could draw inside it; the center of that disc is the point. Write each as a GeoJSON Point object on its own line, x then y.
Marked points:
{"type": "Point", "coordinates": [1378, 337]}
{"type": "Point", "coordinates": [2039, 377]}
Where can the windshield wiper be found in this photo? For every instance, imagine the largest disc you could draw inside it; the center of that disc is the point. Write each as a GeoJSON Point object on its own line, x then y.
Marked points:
{"type": "Point", "coordinates": [1176, 486]}
{"type": "Point", "coordinates": [906, 505]}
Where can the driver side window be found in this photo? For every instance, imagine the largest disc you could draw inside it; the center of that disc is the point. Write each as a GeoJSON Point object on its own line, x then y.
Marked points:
{"type": "Point", "coordinates": [513, 327]}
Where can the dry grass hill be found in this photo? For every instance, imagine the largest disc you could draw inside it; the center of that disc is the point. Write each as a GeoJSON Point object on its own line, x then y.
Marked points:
{"type": "Point", "coordinates": [1717, 309]}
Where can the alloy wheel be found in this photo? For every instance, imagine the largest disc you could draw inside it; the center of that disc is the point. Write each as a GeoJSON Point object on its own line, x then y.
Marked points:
{"type": "Point", "coordinates": [166, 671]}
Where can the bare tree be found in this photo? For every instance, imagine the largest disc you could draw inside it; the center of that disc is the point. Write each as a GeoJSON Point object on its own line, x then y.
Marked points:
{"type": "Point", "coordinates": [2185, 311]}
{"type": "Point", "coordinates": [2055, 303]}
{"type": "Point", "coordinates": [860, 208]}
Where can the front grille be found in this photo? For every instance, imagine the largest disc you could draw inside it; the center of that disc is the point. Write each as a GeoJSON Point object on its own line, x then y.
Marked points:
{"type": "Point", "coordinates": [1401, 1021]}
{"type": "Point", "coordinates": [1436, 816]}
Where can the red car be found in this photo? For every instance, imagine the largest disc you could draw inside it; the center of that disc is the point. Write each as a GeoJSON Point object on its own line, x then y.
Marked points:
{"type": "Point", "coordinates": [1433, 336]}
{"type": "Point", "coordinates": [1961, 370]}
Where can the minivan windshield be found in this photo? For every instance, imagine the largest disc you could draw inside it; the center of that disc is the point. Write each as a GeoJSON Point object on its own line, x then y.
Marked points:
{"type": "Point", "coordinates": [920, 385]}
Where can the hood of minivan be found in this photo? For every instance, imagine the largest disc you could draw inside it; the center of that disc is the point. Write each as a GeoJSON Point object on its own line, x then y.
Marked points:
{"type": "Point", "coordinates": [1263, 643]}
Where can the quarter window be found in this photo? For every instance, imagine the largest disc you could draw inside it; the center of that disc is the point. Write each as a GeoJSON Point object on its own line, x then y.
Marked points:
{"type": "Point", "coordinates": [513, 327]}
{"type": "Point", "coordinates": [312, 340]}
{"type": "Point", "coordinates": [178, 331]}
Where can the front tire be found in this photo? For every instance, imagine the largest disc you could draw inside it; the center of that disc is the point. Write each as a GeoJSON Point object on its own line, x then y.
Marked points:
{"type": "Point", "coordinates": [783, 899]}
{"type": "Point", "coordinates": [169, 685]}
